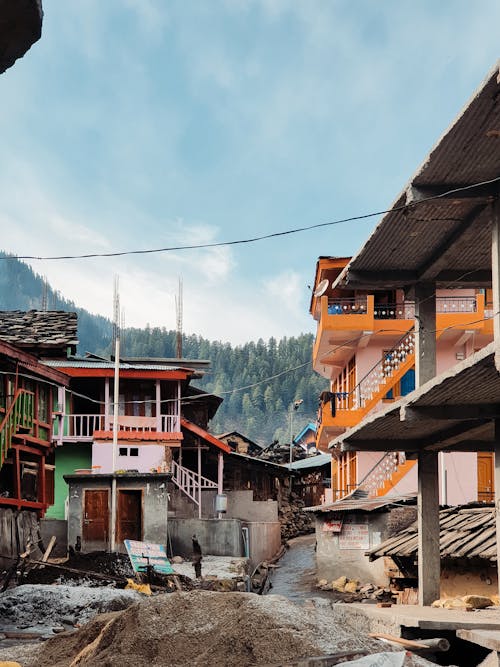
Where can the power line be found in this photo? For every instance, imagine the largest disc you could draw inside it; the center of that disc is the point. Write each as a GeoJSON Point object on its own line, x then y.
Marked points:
{"type": "Point", "coordinates": [254, 239]}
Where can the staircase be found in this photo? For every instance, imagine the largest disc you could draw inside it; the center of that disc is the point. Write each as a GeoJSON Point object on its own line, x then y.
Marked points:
{"type": "Point", "coordinates": [385, 374]}
{"type": "Point", "coordinates": [384, 476]}
{"type": "Point", "coordinates": [17, 422]}
{"type": "Point", "coordinates": [190, 483]}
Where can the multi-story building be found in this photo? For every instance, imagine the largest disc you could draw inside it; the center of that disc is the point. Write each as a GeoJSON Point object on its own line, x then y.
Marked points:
{"type": "Point", "coordinates": [365, 347]}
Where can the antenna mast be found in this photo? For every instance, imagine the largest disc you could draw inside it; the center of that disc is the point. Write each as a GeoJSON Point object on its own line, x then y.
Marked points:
{"type": "Point", "coordinates": [45, 294]}
{"type": "Point", "coordinates": [178, 312]}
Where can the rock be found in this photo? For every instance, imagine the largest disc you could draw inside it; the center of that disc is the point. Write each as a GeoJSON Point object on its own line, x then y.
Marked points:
{"type": "Point", "coordinates": [322, 583]}
{"type": "Point", "coordinates": [177, 560]}
{"type": "Point", "coordinates": [367, 588]}
{"type": "Point", "coordinates": [339, 584]}
{"type": "Point", "coordinates": [477, 601]}
{"type": "Point", "coordinates": [351, 586]}
{"type": "Point", "coordinates": [68, 620]}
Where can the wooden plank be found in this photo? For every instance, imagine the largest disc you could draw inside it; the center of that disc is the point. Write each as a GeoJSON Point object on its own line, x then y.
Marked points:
{"type": "Point", "coordinates": [49, 548]}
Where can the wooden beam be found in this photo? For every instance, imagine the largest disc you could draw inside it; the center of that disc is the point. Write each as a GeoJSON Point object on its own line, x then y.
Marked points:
{"type": "Point", "coordinates": [382, 445]}
{"type": "Point", "coordinates": [417, 193]}
{"type": "Point", "coordinates": [460, 411]}
{"type": "Point", "coordinates": [438, 261]}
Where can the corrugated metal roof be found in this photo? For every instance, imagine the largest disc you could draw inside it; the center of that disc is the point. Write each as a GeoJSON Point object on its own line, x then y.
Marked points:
{"type": "Point", "coordinates": [311, 462]}
{"type": "Point", "coordinates": [465, 532]}
{"type": "Point", "coordinates": [85, 363]}
{"type": "Point", "coordinates": [414, 242]}
{"type": "Point", "coordinates": [359, 500]}
{"type": "Point", "coordinates": [264, 462]}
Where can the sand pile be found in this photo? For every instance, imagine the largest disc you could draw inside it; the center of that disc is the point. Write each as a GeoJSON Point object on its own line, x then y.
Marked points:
{"type": "Point", "coordinates": [202, 628]}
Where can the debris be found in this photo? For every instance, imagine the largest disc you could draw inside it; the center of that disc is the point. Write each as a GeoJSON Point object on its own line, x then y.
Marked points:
{"type": "Point", "coordinates": [339, 584]}
{"type": "Point", "coordinates": [467, 602]}
{"type": "Point", "coordinates": [203, 628]}
{"type": "Point", "coordinates": [49, 548]}
{"type": "Point", "coordinates": [145, 589]}
{"type": "Point", "coordinates": [351, 586]}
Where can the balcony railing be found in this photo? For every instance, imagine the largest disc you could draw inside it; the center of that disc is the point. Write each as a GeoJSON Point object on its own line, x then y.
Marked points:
{"type": "Point", "coordinates": [355, 306]}
{"type": "Point", "coordinates": [379, 379]}
{"type": "Point", "coordinates": [82, 427]}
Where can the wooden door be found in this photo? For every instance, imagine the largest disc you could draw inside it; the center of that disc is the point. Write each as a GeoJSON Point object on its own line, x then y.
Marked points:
{"type": "Point", "coordinates": [129, 515]}
{"type": "Point", "coordinates": [95, 531]}
{"type": "Point", "coordinates": [485, 480]}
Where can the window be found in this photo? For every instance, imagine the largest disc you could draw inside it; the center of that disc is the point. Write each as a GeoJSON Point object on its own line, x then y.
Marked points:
{"type": "Point", "coordinates": [134, 451]}
{"type": "Point", "coordinates": [122, 451]}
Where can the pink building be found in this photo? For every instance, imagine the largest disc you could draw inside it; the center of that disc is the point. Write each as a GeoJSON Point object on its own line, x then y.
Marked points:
{"type": "Point", "coordinates": [365, 347]}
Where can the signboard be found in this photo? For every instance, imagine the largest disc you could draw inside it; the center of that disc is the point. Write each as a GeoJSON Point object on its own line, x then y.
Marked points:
{"type": "Point", "coordinates": [354, 536]}
{"type": "Point", "coordinates": [142, 554]}
{"type": "Point", "coordinates": [333, 525]}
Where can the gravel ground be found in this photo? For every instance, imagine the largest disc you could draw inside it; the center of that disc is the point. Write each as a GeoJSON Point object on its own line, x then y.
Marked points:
{"type": "Point", "coordinates": [201, 628]}
{"type": "Point", "coordinates": [39, 607]}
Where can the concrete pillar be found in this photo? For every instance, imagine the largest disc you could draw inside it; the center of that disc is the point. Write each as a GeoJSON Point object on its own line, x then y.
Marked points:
{"type": "Point", "coordinates": [429, 560]}
{"type": "Point", "coordinates": [495, 277]}
{"type": "Point", "coordinates": [425, 333]}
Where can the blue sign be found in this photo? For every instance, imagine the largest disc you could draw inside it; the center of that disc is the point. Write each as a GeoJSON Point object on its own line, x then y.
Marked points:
{"type": "Point", "coordinates": [142, 554]}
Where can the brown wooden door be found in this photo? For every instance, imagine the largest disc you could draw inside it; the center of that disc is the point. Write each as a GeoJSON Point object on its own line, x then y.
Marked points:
{"type": "Point", "coordinates": [95, 533]}
{"type": "Point", "coordinates": [485, 483]}
{"type": "Point", "coordinates": [129, 515]}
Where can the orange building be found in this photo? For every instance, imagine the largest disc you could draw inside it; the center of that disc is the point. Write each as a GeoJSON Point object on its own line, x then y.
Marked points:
{"type": "Point", "coordinates": [365, 347]}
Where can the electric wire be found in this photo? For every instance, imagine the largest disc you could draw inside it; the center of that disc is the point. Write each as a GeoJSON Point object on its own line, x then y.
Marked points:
{"type": "Point", "coordinates": [262, 237]}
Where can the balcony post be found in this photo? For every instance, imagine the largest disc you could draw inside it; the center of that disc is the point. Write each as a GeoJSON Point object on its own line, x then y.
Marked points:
{"type": "Point", "coordinates": [158, 406]}
{"type": "Point", "coordinates": [106, 404]}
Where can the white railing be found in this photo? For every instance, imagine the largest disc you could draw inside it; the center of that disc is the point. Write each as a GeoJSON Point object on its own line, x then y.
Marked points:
{"type": "Point", "coordinates": [382, 472]}
{"type": "Point", "coordinates": [383, 371]}
{"type": "Point", "coordinates": [170, 423]}
{"type": "Point", "coordinates": [190, 482]}
{"type": "Point", "coordinates": [83, 427]}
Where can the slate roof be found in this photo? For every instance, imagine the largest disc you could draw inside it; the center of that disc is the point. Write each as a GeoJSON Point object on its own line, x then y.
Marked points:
{"type": "Point", "coordinates": [38, 329]}
{"type": "Point", "coordinates": [465, 532]}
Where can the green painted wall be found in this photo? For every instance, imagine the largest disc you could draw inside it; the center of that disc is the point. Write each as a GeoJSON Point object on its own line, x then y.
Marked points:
{"type": "Point", "coordinates": [68, 458]}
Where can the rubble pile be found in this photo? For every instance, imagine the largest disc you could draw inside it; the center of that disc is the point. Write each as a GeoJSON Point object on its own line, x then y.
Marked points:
{"type": "Point", "coordinates": [351, 590]}
{"type": "Point", "coordinates": [294, 521]}
{"type": "Point", "coordinates": [204, 628]}
{"type": "Point", "coordinates": [42, 607]}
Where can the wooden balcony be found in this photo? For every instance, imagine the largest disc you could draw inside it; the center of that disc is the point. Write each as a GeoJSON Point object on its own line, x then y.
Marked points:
{"type": "Point", "coordinates": [94, 428]}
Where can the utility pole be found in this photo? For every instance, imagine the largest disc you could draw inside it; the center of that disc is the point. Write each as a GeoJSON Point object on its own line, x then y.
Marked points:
{"type": "Point", "coordinates": [116, 400]}
{"type": "Point", "coordinates": [294, 406]}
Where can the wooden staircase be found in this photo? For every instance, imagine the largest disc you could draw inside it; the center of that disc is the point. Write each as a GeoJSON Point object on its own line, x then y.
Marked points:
{"type": "Point", "coordinates": [17, 422]}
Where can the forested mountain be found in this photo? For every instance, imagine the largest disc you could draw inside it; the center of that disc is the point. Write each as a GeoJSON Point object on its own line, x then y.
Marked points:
{"type": "Point", "coordinates": [262, 372]}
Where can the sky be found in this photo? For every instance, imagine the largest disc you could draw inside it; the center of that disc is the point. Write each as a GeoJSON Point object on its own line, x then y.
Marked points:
{"type": "Point", "coordinates": [136, 124]}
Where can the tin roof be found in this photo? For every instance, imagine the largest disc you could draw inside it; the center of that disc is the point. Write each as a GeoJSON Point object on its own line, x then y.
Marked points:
{"type": "Point", "coordinates": [311, 462]}
{"type": "Point", "coordinates": [359, 500]}
{"type": "Point", "coordinates": [447, 238]}
{"type": "Point", "coordinates": [465, 532]}
{"type": "Point", "coordinates": [85, 363]}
